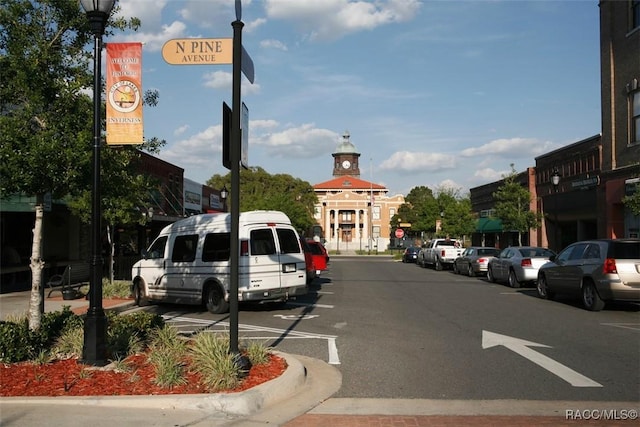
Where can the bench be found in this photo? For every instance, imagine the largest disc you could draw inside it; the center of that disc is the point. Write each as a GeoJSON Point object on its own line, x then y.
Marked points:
{"type": "Point", "coordinates": [73, 277]}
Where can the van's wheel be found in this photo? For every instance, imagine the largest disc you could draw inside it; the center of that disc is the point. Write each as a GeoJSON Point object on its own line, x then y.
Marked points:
{"type": "Point", "coordinates": [138, 296]}
{"type": "Point", "coordinates": [590, 298]}
{"type": "Point", "coordinates": [214, 300]}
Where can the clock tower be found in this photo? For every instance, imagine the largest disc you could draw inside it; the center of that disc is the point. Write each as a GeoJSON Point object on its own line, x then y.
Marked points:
{"type": "Point", "coordinates": [345, 159]}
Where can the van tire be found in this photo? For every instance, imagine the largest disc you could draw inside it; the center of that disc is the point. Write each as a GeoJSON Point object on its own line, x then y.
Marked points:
{"type": "Point", "coordinates": [214, 300]}
{"type": "Point", "coordinates": [138, 296]}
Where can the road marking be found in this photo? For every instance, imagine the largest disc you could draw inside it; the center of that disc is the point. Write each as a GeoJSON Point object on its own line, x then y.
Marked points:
{"type": "Point", "coordinates": [207, 325]}
{"type": "Point", "coordinates": [632, 326]}
{"type": "Point", "coordinates": [296, 316]}
{"type": "Point", "coordinates": [302, 304]}
{"type": "Point", "coordinates": [491, 339]}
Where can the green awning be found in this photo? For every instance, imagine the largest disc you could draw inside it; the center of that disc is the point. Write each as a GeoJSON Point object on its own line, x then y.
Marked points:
{"type": "Point", "coordinates": [489, 225]}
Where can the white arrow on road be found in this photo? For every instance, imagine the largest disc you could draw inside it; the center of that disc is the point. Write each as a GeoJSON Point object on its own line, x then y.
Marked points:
{"type": "Point", "coordinates": [491, 339]}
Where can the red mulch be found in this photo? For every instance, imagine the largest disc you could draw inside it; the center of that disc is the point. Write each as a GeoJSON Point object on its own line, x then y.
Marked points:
{"type": "Point", "coordinates": [71, 378]}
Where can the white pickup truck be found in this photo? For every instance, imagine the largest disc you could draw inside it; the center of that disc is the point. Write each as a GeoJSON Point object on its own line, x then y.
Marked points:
{"type": "Point", "coordinates": [440, 253]}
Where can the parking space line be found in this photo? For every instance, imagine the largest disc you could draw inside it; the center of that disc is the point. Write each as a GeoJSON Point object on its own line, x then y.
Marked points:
{"type": "Point", "coordinates": [207, 325]}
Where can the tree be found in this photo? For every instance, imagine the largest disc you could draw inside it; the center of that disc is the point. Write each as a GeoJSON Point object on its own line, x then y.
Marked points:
{"type": "Point", "coordinates": [423, 209]}
{"type": "Point", "coordinates": [282, 192]}
{"type": "Point", "coordinates": [512, 206]}
{"type": "Point", "coordinates": [632, 201]}
{"type": "Point", "coordinates": [45, 113]}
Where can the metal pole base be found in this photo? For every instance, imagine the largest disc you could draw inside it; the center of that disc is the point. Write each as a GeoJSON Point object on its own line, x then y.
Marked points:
{"type": "Point", "coordinates": [94, 351]}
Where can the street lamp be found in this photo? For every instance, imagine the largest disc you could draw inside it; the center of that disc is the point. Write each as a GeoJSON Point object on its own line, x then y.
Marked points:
{"type": "Point", "coordinates": [555, 180]}
{"type": "Point", "coordinates": [94, 351]}
{"type": "Point", "coordinates": [224, 193]}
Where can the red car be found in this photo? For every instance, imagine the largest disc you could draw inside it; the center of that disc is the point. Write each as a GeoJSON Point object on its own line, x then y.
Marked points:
{"type": "Point", "coordinates": [320, 256]}
{"type": "Point", "coordinates": [308, 260]}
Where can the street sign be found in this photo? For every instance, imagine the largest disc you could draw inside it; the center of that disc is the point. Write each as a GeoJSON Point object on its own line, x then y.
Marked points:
{"type": "Point", "coordinates": [198, 51]}
{"type": "Point", "coordinates": [399, 233]}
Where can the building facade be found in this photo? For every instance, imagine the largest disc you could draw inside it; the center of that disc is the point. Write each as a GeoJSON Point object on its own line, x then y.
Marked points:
{"type": "Point", "coordinates": [595, 174]}
{"type": "Point", "coordinates": [353, 214]}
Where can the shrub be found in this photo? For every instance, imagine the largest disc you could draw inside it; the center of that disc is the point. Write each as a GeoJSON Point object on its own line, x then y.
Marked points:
{"type": "Point", "coordinates": [257, 353]}
{"type": "Point", "coordinates": [16, 342]}
{"type": "Point", "coordinates": [212, 360]}
{"type": "Point", "coordinates": [116, 289]}
{"type": "Point", "coordinates": [167, 353]}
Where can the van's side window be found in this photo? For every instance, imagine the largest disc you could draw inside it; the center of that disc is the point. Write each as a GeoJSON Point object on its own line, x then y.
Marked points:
{"type": "Point", "coordinates": [156, 250]}
{"type": "Point", "coordinates": [216, 247]}
{"type": "Point", "coordinates": [262, 242]}
{"type": "Point", "coordinates": [184, 248]}
{"type": "Point", "coordinates": [288, 241]}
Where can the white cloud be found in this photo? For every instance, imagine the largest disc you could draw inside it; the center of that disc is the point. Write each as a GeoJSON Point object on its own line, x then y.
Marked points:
{"type": "Point", "coordinates": [332, 19]}
{"type": "Point", "coordinates": [154, 41]}
{"type": "Point", "coordinates": [224, 80]}
{"type": "Point", "coordinates": [305, 141]}
{"type": "Point", "coordinates": [511, 147]}
{"type": "Point", "coordinates": [182, 129]}
{"type": "Point", "coordinates": [273, 44]}
{"type": "Point", "coordinates": [407, 161]}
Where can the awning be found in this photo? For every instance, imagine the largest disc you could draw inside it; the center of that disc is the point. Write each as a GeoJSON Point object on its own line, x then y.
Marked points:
{"type": "Point", "coordinates": [489, 225]}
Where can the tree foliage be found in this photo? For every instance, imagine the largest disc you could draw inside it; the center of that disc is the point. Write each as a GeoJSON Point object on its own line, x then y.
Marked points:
{"type": "Point", "coordinates": [46, 129]}
{"type": "Point", "coordinates": [423, 209]}
{"type": "Point", "coordinates": [282, 192]}
{"type": "Point", "coordinates": [513, 206]}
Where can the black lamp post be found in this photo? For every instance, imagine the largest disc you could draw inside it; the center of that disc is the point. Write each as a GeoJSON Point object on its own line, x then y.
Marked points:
{"type": "Point", "coordinates": [555, 180]}
{"type": "Point", "coordinates": [94, 351]}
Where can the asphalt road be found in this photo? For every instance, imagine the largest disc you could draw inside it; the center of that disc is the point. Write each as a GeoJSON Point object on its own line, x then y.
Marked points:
{"type": "Point", "coordinates": [400, 331]}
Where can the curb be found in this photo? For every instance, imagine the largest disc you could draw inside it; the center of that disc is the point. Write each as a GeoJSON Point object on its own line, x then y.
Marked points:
{"type": "Point", "coordinates": [243, 403]}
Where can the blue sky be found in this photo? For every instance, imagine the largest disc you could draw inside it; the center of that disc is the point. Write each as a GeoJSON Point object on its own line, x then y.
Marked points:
{"type": "Point", "coordinates": [434, 93]}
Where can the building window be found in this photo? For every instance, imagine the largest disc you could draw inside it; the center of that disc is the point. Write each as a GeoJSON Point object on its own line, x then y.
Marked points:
{"type": "Point", "coordinates": [635, 116]}
{"type": "Point", "coordinates": [346, 216]}
{"type": "Point", "coordinates": [635, 13]}
{"type": "Point", "coordinates": [376, 212]}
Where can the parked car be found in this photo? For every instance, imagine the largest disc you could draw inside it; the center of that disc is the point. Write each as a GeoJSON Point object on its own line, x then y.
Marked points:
{"type": "Point", "coordinates": [518, 265]}
{"type": "Point", "coordinates": [319, 254]}
{"type": "Point", "coordinates": [310, 267]}
{"type": "Point", "coordinates": [410, 254]}
{"type": "Point", "coordinates": [474, 260]}
{"type": "Point", "coordinates": [596, 270]}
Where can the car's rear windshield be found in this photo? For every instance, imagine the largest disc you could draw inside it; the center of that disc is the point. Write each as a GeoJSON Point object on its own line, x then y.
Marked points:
{"type": "Point", "coordinates": [536, 252]}
{"type": "Point", "coordinates": [446, 243]}
{"type": "Point", "coordinates": [315, 249]}
{"type": "Point", "coordinates": [488, 252]}
{"type": "Point", "coordinates": [624, 250]}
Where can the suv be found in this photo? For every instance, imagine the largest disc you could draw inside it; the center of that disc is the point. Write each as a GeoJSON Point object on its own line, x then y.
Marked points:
{"type": "Point", "coordinates": [597, 270]}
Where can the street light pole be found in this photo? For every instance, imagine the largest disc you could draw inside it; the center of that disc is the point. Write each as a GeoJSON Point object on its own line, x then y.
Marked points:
{"type": "Point", "coordinates": [94, 351]}
{"type": "Point", "coordinates": [555, 180]}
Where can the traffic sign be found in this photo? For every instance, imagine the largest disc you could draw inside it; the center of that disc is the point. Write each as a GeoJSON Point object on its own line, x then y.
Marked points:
{"type": "Point", "coordinates": [198, 51]}
{"type": "Point", "coordinates": [399, 233]}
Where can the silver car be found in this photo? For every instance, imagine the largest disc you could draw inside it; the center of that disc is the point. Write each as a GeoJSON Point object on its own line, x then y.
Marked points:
{"type": "Point", "coordinates": [518, 265]}
{"type": "Point", "coordinates": [596, 270]}
{"type": "Point", "coordinates": [474, 260]}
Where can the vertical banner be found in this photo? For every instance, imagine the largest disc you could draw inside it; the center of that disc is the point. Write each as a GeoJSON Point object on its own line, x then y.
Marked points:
{"type": "Point", "coordinates": [124, 93]}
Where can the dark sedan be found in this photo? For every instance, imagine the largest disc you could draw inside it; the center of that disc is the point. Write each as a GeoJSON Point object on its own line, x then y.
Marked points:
{"type": "Point", "coordinates": [410, 254]}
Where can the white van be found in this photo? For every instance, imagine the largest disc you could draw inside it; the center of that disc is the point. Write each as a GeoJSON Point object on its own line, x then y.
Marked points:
{"type": "Point", "coordinates": [188, 263]}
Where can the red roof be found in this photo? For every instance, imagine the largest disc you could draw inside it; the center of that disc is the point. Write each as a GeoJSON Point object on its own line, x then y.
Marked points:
{"type": "Point", "coordinates": [348, 182]}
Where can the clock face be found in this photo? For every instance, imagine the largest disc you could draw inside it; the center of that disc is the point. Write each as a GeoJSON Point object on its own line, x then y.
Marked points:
{"type": "Point", "coordinates": [346, 164]}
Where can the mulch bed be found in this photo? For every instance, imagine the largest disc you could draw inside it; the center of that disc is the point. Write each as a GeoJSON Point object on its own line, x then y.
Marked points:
{"type": "Point", "coordinates": [71, 378]}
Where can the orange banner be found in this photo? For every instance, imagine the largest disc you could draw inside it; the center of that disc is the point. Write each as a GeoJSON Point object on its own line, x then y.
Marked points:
{"type": "Point", "coordinates": [124, 93]}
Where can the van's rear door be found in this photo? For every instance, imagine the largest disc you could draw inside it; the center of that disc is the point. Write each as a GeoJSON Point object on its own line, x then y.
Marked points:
{"type": "Point", "coordinates": [293, 268]}
{"type": "Point", "coordinates": [264, 264]}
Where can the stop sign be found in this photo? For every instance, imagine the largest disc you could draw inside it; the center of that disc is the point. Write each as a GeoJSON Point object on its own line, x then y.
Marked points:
{"type": "Point", "coordinates": [399, 233]}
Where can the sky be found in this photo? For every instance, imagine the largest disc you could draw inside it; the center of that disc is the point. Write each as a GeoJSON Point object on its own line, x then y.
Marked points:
{"type": "Point", "coordinates": [433, 93]}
